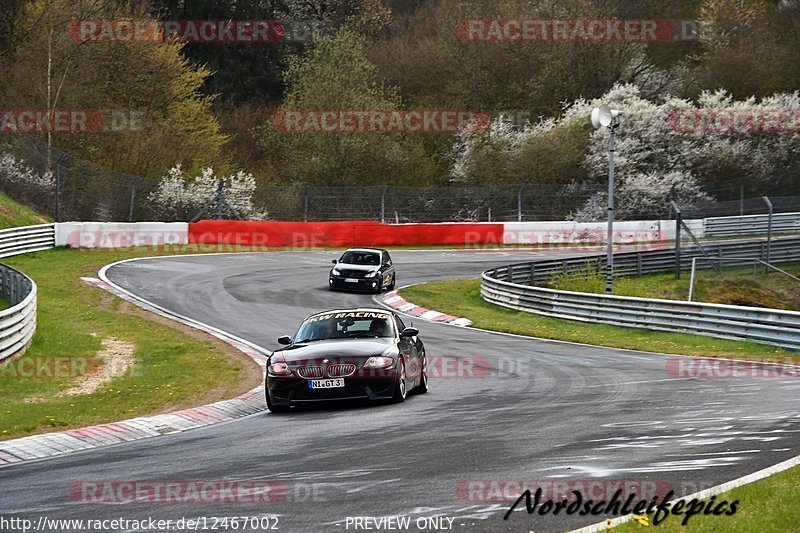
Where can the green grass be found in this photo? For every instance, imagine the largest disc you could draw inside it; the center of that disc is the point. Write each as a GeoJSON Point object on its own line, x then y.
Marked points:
{"type": "Point", "coordinates": [462, 298]}
{"type": "Point", "coordinates": [14, 214]}
{"type": "Point", "coordinates": [734, 286]}
{"type": "Point", "coordinates": [174, 367]}
{"type": "Point", "coordinates": [766, 505]}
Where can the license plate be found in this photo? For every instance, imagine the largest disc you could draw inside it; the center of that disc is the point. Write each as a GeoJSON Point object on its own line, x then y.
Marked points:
{"type": "Point", "coordinates": [350, 280]}
{"type": "Point", "coordinates": [325, 383]}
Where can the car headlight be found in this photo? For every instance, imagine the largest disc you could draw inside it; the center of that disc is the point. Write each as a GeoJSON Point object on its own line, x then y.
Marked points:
{"type": "Point", "coordinates": [371, 274]}
{"type": "Point", "coordinates": [379, 362]}
{"type": "Point", "coordinates": [335, 272]}
{"type": "Point", "coordinates": [279, 369]}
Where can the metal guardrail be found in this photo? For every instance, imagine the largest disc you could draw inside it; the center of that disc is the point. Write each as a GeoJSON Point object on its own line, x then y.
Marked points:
{"type": "Point", "coordinates": [751, 225]}
{"type": "Point", "coordinates": [510, 286]}
{"type": "Point", "coordinates": [15, 241]}
{"type": "Point", "coordinates": [18, 322]}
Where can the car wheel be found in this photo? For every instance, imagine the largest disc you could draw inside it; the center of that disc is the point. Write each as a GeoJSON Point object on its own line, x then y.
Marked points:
{"type": "Point", "coordinates": [400, 385]}
{"type": "Point", "coordinates": [422, 388]}
{"type": "Point", "coordinates": [276, 408]}
{"type": "Point", "coordinates": [391, 285]}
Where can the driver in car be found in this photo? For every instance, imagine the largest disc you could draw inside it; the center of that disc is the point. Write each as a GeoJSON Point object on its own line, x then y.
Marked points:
{"type": "Point", "coordinates": [378, 327]}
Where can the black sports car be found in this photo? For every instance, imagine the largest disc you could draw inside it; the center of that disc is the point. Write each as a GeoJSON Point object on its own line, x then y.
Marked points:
{"type": "Point", "coordinates": [363, 269]}
{"type": "Point", "coordinates": [347, 354]}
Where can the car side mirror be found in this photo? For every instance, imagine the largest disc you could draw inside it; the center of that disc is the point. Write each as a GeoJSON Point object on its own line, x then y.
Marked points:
{"type": "Point", "coordinates": [409, 332]}
{"type": "Point", "coordinates": [334, 261]}
{"type": "Point", "coordinates": [285, 340]}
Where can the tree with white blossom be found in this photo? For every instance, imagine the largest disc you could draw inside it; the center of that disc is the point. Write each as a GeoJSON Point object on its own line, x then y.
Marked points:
{"type": "Point", "coordinates": [653, 157]}
{"type": "Point", "coordinates": [180, 197]}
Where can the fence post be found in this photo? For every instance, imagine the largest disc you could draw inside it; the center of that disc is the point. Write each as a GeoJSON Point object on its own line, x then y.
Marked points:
{"type": "Point", "coordinates": [57, 216]}
{"type": "Point", "coordinates": [769, 232]}
{"type": "Point", "coordinates": [741, 197]}
{"type": "Point", "coordinates": [133, 197]}
{"type": "Point", "coordinates": [383, 204]}
{"type": "Point", "coordinates": [220, 187]}
{"type": "Point", "coordinates": [490, 214]}
{"type": "Point", "coordinates": [678, 217]}
{"type": "Point", "coordinates": [305, 204]}
{"type": "Point", "coordinates": [519, 203]}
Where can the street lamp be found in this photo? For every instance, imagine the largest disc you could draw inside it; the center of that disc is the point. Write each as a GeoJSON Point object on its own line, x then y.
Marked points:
{"type": "Point", "coordinates": [605, 117]}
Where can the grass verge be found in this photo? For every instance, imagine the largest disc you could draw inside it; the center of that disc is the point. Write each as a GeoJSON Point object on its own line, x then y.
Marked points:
{"type": "Point", "coordinates": [766, 505]}
{"type": "Point", "coordinates": [14, 214]}
{"type": "Point", "coordinates": [462, 298]}
{"type": "Point", "coordinates": [83, 335]}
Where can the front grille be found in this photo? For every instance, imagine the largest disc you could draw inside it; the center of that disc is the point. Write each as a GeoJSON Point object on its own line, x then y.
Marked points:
{"type": "Point", "coordinates": [310, 372]}
{"type": "Point", "coordinates": [352, 273]}
{"type": "Point", "coordinates": [341, 371]}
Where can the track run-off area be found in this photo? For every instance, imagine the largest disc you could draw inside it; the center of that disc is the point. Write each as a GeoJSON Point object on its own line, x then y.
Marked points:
{"type": "Point", "coordinates": [501, 410]}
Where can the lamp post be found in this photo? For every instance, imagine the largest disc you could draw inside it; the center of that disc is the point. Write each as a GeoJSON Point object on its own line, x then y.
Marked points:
{"type": "Point", "coordinates": [605, 117]}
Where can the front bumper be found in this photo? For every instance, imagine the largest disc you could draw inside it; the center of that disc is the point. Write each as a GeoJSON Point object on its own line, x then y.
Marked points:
{"type": "Point", "coordinates": [294, 390]}
{"type": "Point", "coordinates": [361, 284]}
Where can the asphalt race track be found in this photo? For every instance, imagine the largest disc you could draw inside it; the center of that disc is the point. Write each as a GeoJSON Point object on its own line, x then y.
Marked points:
{"type": "Point", "coordinates": [531, 410]}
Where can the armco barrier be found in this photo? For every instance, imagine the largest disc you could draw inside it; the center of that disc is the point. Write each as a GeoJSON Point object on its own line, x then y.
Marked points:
{"type": "Point", "coordinates": [504, 286]}
{"type": "Point", "coordinates": [18, 322]}
{"type": "Point", "coordinates": [15, 241]}
{"type": "Point", "coordinates": [751, 225]}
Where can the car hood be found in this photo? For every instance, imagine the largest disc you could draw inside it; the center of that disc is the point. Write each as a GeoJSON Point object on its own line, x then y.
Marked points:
{"type": "Point", "coordinates": [362, 268]}
{"type": "Point", "coordinates": [337, 350]}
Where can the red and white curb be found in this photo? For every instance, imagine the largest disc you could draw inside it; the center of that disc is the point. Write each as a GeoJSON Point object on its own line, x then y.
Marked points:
{"type": "Point", "coordinates": [60, 443]}
{"type": "Point", "coordinates": [395, 301]}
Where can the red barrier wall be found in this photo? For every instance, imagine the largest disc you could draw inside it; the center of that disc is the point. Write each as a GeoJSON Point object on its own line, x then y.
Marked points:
{"type": "Point", "coordinates": [353, 233]}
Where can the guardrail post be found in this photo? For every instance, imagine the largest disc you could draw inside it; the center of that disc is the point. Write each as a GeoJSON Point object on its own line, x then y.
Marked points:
{"type": "Point", "coordinates": [510, 273]}
{"type": "Point", "coordinates": [639, 264]}
{"type": "Point", "coordinates": [533, 273]}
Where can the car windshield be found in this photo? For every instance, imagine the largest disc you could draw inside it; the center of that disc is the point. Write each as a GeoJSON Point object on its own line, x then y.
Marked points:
{"type": "Point", "coordinates": [344, 325]}
{"type": "Point", "coordinates": [360, 258]}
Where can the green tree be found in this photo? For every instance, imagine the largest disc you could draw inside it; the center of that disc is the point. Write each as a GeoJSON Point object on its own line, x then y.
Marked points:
{"type": "Point", "coordinates": [336, 75]}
